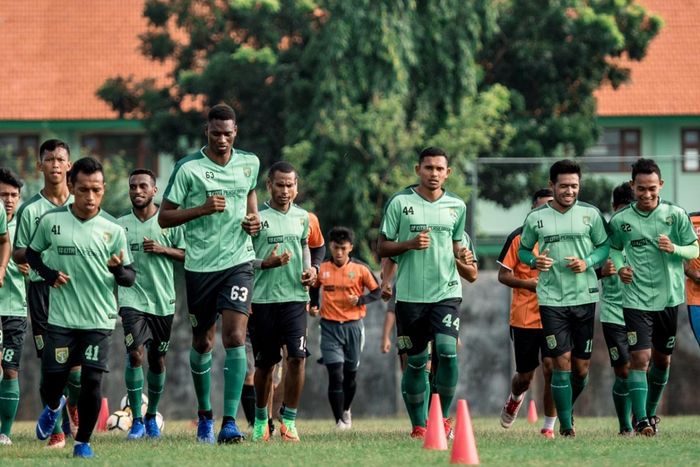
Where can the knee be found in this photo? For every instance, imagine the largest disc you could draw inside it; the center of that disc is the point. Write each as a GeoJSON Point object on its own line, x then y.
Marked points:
{"type": "Point", "coordinates": [90, 380]}
{"type": "Point", "coordinates": [136, 357]}
{"type": "Point", "coordinates": [9, 373]}
{"type": "Point", "coordinates": [156, 363]}
{"type": "Point", "coordinates": [233, 337]}
{"type": "Point", "coordinates": [295, 363]}
{"type": "Point", "coordinates": [203, 343]}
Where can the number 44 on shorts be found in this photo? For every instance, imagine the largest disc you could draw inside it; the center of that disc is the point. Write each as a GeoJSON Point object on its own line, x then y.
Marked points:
{"type": "Point", "coordinates": [447, 321]}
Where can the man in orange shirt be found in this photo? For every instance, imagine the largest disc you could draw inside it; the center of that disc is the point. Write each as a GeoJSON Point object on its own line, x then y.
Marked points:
{"type": "Point", "coordinates": [525, 328]}
{"type": "Point", "coordinates": [692, 284]}
{"type": "Point", "coordinates": [343, 281]}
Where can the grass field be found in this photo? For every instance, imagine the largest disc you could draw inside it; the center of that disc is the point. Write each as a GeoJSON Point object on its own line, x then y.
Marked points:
{"type": "Point", "coordinates": [381, 442]}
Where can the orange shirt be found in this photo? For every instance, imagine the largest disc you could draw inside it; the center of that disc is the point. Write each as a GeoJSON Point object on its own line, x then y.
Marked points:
{"type": "Point", "coordinates": [692, 290]}
{"type": "Point", "coordinates": [524, 309]}
{"type": "Point", "coordinates": [315, 234]}
{"type": "Point", "coordinates": [338, 283]}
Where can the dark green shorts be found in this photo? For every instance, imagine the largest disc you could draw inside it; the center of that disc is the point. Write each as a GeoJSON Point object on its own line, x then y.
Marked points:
{"type": "Point", "coordinates": [569, 329]}
{"type": "Point", "coordinates": [38, 304]}
{"type": "Point", "coordinates": [12, 333]}
{"type": "Point", "coordinates": [417, 323]}
{"type": "Point", "coordinates": [146, 329]}
{"type": "Point", "coordinates": [66, 348]}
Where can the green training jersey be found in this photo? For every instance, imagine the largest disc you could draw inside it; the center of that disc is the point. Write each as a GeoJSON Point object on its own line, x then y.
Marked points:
{"type": "Point", "coordinates": [290, 231]}
{"type": "Point", "coordinates": [217, 241]}
{"type": "Point", "coordinates": [28, 216]}
{"type": "Point", "coordinates": [467, 242]}
{"type": "Point", "coordinates": [13, 295]}
{"type": "Point", "coordinates": [81, 250]}
{"type": "Point", "coordinates": [611, 300]}
{"type": "Point", "coordinates": [154, 289]}
{"type": "Point", "coordinates": [576, 232]}
{"type": "Point", "coordinates": [430, 275]}
{"type": "Point", "coordinates": [658, 277]}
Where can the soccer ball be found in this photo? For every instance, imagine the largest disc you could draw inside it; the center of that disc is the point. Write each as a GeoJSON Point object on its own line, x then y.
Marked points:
{"type": "Point", "coordinates": [124, 403]}
{"type": "Point", "coordinates": [159, 421]}
{"type": "Point", "coordinates": [119, 420]}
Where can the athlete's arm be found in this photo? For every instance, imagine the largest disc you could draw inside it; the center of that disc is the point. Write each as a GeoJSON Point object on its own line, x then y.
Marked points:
{"type": "Point", "coordinates": [692, 273]}
{"type": "Point", "coordinates": [124, 276]}
{"type": "Point", "coordinates": [388, 248]}
{"type": "Point", "coordinates": [170, 214]}
{"type": "Point", "coordinates": [19, 255]}
{"type": "Point", "coordinates": [251, 222]}
{"type": "Point", "coordinates": [317, 255]}
{"type": "Point", "coordinates": [308, 277]}
{"type": "Point", "coordinates": [388, 270]}
{"type": "Point", "coordinates": [506, 277]}
{"type": "Point", "coordinates": [152, 246]}
{"type": "Point", "coordinates": [51, 276]}
{"type": "Point", "coordinates": [5, 252]}
{"type": "Point", "coordinates": [389, 321]}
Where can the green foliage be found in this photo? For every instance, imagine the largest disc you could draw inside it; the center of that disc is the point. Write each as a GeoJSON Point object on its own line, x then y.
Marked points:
{"type": "Point", "coordinates": [116, 200]}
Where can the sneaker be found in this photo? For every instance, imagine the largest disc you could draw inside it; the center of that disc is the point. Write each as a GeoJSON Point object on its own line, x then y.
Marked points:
{"type": "Point", "coordinates": [230, 433]}
{"type": "Point", "coordinates": [510, 411]}
{"type": "Point", "coordinates": [152, 430]}
{"type": "Point", "coordinates": [644, 428]}
{"type": "Point", "coordinates": [205, 430]}
{"type": "Point", "coordinates": [72, 419]}
{"type": "Point", "coordinates": [5, 440]}
{"type": "Point", "coordinates": [261, 431]}
{"type": "Point", "coordinates": [449, 431]}
{"type": "Point", "coordinates": [654, 422]}
{"type": "Point", "coordinates": [547, 433]}
{"type": "Point", "coordinates": [341, 425]}
{"type": "Point", "coordinates": [47, 420]}
{"type": "Point", "coordinates": [625, 432]}
{"type": "Point", "coordinates": [137, 430]}
{"type": "Point", "coordinates": [418, 432]}
{"type": "Point", "coordinates": [56, 441]}
{"type": "Point", "coordinates": [347, 418]}
{"type": "Point", "coordinates": [288, 430]}
{"type": "Point", "coordinates": [570, 433]}
{"type": "Point", "coordinates": [83, 450]}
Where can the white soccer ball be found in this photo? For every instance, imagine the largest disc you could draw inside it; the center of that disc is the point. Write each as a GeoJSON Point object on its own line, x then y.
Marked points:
{"type": "Point", "coordinates": [124, 403]}
{"type": "Point", "coordinates": [119, 420]}
{"type": "Point", "coordinates": [159, 421]}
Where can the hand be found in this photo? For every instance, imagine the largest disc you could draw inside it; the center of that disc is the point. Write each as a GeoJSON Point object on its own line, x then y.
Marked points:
{"type": "Point", "coordinates": [313, 311]}
{"type": "Point", "coordinates": [115, 260]}
{"type": "Point", "coordinates": [308, 277]}
{"type": "Point", "coordinates": [665, 244]}
{"type": "Point", "coordinates": [386, 345]}
{"type": "Point", "coordinates": [213, 204]}
{"type": "Point", "coordinates": [465, 256]}
{"type": "Point", "coordinates": [152, 246]}
{"type": "Point", "coordinates": [61, 280]}
{"type": "Point", "coordinates": [251, 224]}
{"type": "Point", "coordinates": [576, 265]}
{"type": "Point", "coordinates": [422, 240]}
{"type": "Point", "coordinates": [626, 274]}
{"type": "Point", "coordinates": [24, 268]}
{"type": "Point", "coordinates": [608, 269]}
{"type": "Point", "coordinates": [353, 299]}
{"type": "Point", "coordinates": [543, 262]}
{"type": "Point", "coordinates": [3, 271]}
{"type": "Point", "coordinates": [531, 284]}
{"type": "Point", "coordinates": [387, 291]}
{"type": "Point", "coordinates": [693, 274]}
{"type": "Point", "coordinates": [274, 261]}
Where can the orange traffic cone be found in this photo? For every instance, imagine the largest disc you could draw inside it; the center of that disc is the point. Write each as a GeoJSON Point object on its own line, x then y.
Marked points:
{"type": "Point", "coordinates": [103, 416]}
{"type": "Point", "coordinates": [435, 437]}
{"type": "Point", "coordinates": [532, 413]}
{"type": "Point", "coordinates": [464, 447]}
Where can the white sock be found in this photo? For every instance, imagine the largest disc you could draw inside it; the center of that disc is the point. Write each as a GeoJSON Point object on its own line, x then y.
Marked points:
{"type": "Point", "coordinates": [549, 422]}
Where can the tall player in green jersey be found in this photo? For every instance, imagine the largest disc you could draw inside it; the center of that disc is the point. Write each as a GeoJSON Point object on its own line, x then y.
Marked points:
{"type": "Point", "coordinates": [54, 164]}
{"type": "Point", "coordinates": [657, 237]}
{"type": "Point", "coordinates": [572, 238]}
{"type": "Point", "coordinates": [147, 307]}
{"type": "Point", "coordinates": [212, 192]}
{"type": "Point", "coordinates": [423, 228]}
{"type": "Point", "coordinates": [13, 312]}
{"type": "Point", "coordinates": [283, 272]}
{"type": "Point", "coordinates": [86, 258]}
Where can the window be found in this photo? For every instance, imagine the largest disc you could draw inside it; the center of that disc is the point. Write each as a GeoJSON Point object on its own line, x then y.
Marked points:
{"type": "Point", "coordinates": [613, 144]}
{"type": "Point", "coordinates": [690, 149]}
{"type": "Point", "coordinates": [133, 147]}
{"type": "Point", "coordinates": [19, 152]}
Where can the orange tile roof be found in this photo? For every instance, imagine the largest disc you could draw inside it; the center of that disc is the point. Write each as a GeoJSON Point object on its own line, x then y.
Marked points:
{"type": "Point", "coordinates": [56, 53]}
{"type": "Point", "coordinates": [667, 80]}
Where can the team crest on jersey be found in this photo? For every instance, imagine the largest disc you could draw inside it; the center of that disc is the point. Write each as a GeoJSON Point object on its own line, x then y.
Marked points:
{"type": "Point", "coordinates": [164, 232]}
{"type": "Point", "coordinates": [669, 220]}
{"type": "Point", "coordinates": [193, 320]}
{"type": "Point", "coordinates": [586, 220]}
{"type": "Point", "coordinates": [247, 171]}
{"type": "Point", "coordinates": [107, 236]}
{"type": "Point", "coordinates": [326, 274]}
{"type": "Point", "coordinates": [551, 341]}
{"type": "Point", "coordinates": [351, 274]}
{"type": "Point", "coordinates": [129, 339]}
{"type": "Point", "coordinates": [453, 213]}
{"type": "Point", "coordinates": [61, 355]}
{"type": "Point", "coordinates": [614, 353]}
{"type": "Point", "coordinates": [632, 338]}
{"type": "Point", "coordinates": [39, 342]}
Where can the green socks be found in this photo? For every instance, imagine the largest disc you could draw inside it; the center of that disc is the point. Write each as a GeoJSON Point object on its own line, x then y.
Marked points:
{"type": "Point", "coordinates": [637, 388]}
{"type": "Point", "coordinates": [656, 381]}
{"type": "Point", "coordinates": [73, 387]}
{"type": "Point", "coordinates": [235, 368]}
{"type": "Point", "coordinates": [134, 388]}
{"type": "Point", "coordinates": [200, 365]}
{"type": "Point", "coordinates": [623, 404]}
{"type": "Point", "coordinates": [156, 383]}
{"type": "Point", "coordinates": [9, 401]}
{"type": "Point", "coordinates": [414, 381]}
{"type": "Point", "coordinates": [447, 371]}
{"type": "Point", "coordinates": [562, 395]}
{"type": "Point", "coordinates": [577, 386]}
{"type": "Point", "coordinates": [289, 415]}
{"type": "Point", "coordinates": [261, 414]}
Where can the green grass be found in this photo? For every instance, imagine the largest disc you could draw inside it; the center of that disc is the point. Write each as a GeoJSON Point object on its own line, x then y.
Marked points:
{"type": "Point", "coordinates": [381, 442]}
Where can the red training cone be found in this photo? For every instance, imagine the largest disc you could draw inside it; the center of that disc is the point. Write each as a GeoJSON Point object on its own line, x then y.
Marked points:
{"type": "Point", "coordinates": [464, 447]}
{"type": "Point", "coordinates": [532, 413]}
{"type": "Point", "coordinates": [435, 437]}
{"type": "Point", "coordinates": [103, 416]}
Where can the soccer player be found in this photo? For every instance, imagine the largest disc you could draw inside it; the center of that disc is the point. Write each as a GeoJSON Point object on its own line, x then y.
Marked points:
{"type": "Point", "coordinates": [526, 328]}
{"type": "Point", "coordinates": [82, 253]}
{"type": "Point", "coordinates": [422, 228]}
{"type": "Point", "coordinates": [13, 307]}
{"type": "Point", "coordinates": [280, 298]}
{"type": "Point", "coordinates": [54, 164]}
{"type": "Point", "coordinates": [342, 281]}
{"type": "Point", "coordinates": [692, 284]}
{"type": "Point", "coordinates": [572, 239]}
{"type": "Point", "coordinates": [656, 237]}
{"type": "Point", "coordinates": [147, 307]}
{"type": "Point", "coordinates": [212, 192]}
{"type": "Point", "coordinates": [613, 321]}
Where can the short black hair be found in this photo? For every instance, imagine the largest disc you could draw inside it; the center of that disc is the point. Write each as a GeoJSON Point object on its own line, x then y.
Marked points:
{"type": "Point", "coordinates": [432, 151]}
{"type": "Point", "coordinates": [281, 166]}
{"type": "Point", "coordinates": [564, 166]}
{"type": "Point", "coordinates": [87, 166]}
{"type": "Point", "coordinates": [143, 172]}
{"type": "Point", "coordinates": [341, 234]}
{"type": "Point", "coordinates": [645, 166]}
{"type": "Point", "coordinates": [8, 177]}
{"type": "Point", "coordinates": [542, 193]}
{"type": "Point", "coordinates": [622, 194]}
{"type": "Point", "coordinates": [51, 145]}
{"type": "Point", "coordinates": [221, 112]}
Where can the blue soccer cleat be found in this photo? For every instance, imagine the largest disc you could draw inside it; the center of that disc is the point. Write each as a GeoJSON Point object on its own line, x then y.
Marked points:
{"type": "Point", "coordinates": [137, 430]}
{"type": "Point", "coordinates": [205, 430]}
{"type": "Point", "coordinates": [152, 430]}
{"type": "Point", "coordinates": [83, 450]}
{"type": "Point", "coordinates": [47, 420]}
{"type": "Point", "coordinates": [230, 433]}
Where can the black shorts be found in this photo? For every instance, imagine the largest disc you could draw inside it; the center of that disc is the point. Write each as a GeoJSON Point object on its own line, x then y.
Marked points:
{"type": "Point", "coordinates": [273, 325]}
{"type": "Point", "coordinates": [417, 323]}
{"type": "Point", "coordinates": [12, 332]}
{"type": "Point", "coordinates": [616, 340]}
{"type": "Point", "coordinates": [529, 347]}
{"type": "Point", "coordinates": [146, 329]}
{"type": "Point", "coordinates": [66, 348]}
{"type": "Point", "coordinates": [38, 304]}
{"type": "Point", "coordinates": [647, 329]}
{"type": "Point", "coordinates": [210, 293]}
{"type": "Point", "coordinates": [569, 329]}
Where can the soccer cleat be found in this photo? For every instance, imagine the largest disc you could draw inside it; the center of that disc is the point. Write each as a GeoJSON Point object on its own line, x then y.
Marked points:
{"type": "Point", "coordinates": [449, 431]}
{"type": "Point", "coordinates": [57, 441]}
{"type": "Point", "coordinates": [261, 431]}
{"type": "Point", "coordinates": [288, 430]}
{"type": "Point", "coordinates": [644, 428]}
{"type": "Point", "coordinates": [47, 420]}
{"type": "Point", "coordinates": [347, 418]}
{"type": "Point", "coordinates": [569, 433]}
{"type": "Point", "coordinates": [72, 419]}
{"type": "Point", "coordinates": [547, 433]}
{"type": "Point", "coordinates": [230, 433]}
{"type": "Point", "coordinates": [418, 432]}
{"type": "Point", "coordinates": [205, 430]}
{"type": "Point", "coordinates": [83, 450]}
{"type": "Point", "coordinates": [341, 425]}
{"type": "Point", "coordinates": [5, 440]}
{"type": "Point", "coordinates": [137, 430]}
{"type": "Point", "coordinates": [510, 411]}
{"type": "Point", "coordinates": [152, 430]}
{"type": "Point", "coordinates": [654, 423]}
